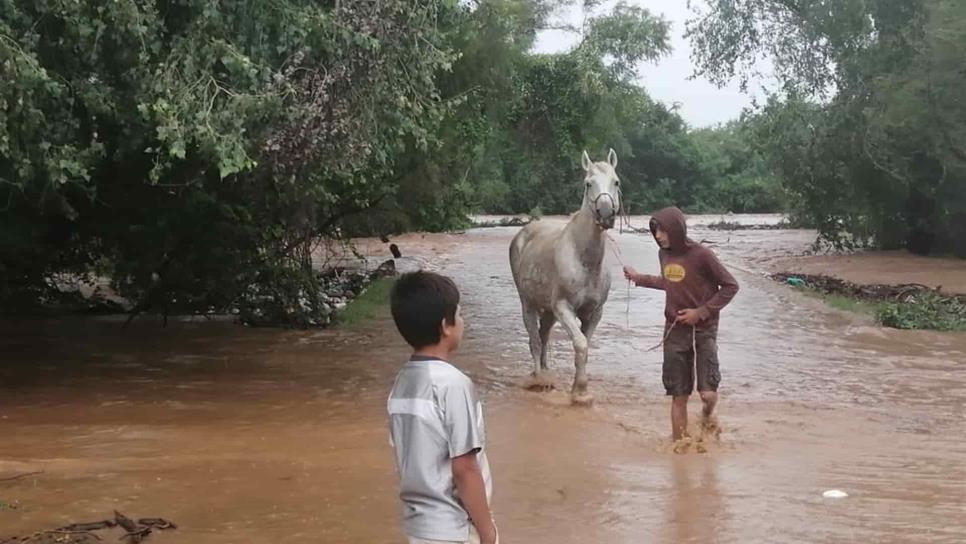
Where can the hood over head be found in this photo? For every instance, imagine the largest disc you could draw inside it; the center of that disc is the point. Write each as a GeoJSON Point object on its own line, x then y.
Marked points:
{"type": "Point", "coordinates": [673, 222]}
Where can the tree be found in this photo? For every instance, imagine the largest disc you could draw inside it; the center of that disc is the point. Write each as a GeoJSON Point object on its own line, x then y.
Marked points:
{"type": "Point", "coordinates": [879, 160]}
{"type": "Point", "coordinates": [194, 150]}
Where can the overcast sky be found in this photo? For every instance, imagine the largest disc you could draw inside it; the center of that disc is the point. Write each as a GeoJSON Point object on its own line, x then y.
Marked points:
{"type": "Point", "coordinates": [701, 103]}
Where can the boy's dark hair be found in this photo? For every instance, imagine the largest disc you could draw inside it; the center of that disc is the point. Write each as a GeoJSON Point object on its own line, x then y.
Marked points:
{"type": "Point", "coordinates": [420, 301]}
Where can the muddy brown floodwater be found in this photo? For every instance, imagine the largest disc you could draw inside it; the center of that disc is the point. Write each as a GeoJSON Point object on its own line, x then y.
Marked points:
{"type": "Point", "coordinates": [271, 436]}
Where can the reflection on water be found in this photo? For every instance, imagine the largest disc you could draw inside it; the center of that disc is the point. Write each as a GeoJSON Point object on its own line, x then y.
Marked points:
{"type": "Point", "coordinates": [244, 435]}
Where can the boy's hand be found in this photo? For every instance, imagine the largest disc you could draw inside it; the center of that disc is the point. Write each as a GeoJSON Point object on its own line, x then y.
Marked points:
{"type": "Point", "coordinates": [489, 535]}
{"type": "Point", "coordinates": [468, 478]}
{"type": "Point", "coordinates": [630, 273]}
{"type": "Point", "coordinates": [690, 317]}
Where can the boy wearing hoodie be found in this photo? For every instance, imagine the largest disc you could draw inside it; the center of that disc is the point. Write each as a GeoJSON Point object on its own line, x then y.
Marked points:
{"type": "Point", "coordinates": [697, 286]}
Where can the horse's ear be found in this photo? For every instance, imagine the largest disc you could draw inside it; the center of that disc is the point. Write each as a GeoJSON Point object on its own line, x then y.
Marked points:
{"type": "Point", "coordinates": [585, 161]}
{"type": "Point", "coordinates": [612, 158]}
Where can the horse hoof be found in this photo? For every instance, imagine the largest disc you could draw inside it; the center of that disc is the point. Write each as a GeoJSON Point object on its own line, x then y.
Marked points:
{"type": "Point", "coordinates": [539, 388]}
{"type": "Point", "coordinates": [581, 399]}
{"type": "Point", "coordinates": [539, 383]}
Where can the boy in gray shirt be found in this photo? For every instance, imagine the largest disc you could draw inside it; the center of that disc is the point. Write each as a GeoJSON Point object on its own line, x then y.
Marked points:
{"type": "Point", "coordinates": [436, 421]}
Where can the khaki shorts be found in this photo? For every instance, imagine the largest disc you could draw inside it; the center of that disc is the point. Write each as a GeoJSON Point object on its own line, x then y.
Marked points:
{"type": "Point", "coordinates": [474, 538]}
{"type": "Point", "coordinates": [682, 369]}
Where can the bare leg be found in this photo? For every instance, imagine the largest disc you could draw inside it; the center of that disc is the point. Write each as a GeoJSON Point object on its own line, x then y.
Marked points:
{"type": "Point", "coordinates": [709, 423]}
{"type": "Point", "coordinates": [679, 417]}
{"type": "Point", "coordinates": [710, 400]}
{"type": "Point", "coordinates": [568, 319]}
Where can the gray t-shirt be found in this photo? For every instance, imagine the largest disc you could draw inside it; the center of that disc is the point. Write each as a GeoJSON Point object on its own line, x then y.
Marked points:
{"type": "Point", "coordinates": [434, 416]}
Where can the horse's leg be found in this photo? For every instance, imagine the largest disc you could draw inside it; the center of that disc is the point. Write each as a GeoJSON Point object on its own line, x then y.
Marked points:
{"type": "Point", "coordinates": [568, 319]}
{"type": "Point", "coordinates": [539, 381]}
{"type": "Point", "coordinates": [588, 323]}
{"type": "Point", "coordinates": [547, 321]}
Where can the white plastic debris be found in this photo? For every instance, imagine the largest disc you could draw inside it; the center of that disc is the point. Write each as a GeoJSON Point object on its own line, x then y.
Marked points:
{"type": "Point", "coordinates": [835, 494]}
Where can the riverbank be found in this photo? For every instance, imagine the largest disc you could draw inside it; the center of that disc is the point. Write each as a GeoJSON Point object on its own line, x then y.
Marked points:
{"type": "Point", "coordinates": [896, 289]}
{"type": "Point", "coordinates": [906, 306]}
{"type": "Point", "coordinates": [883, 267]}
{"type": "Point", "coordinates": [340, 275]}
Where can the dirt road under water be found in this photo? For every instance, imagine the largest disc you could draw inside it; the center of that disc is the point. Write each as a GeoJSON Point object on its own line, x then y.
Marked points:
{"type": "Point", "coordinates": [268, 436]}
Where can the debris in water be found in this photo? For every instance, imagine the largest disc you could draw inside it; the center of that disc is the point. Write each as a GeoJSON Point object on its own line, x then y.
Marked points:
{"type": "Point", "coordinates": [85, 533]}
{"type": "Point", "coordinates": [835, 494]}
{"type": "Point", "coordinates": [907, 292]}
{"type": "Point", "coordinates": [504, 222]}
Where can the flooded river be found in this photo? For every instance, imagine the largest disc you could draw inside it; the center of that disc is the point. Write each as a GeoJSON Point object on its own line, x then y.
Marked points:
{"type": "Point", "coordinates": [272, 436]}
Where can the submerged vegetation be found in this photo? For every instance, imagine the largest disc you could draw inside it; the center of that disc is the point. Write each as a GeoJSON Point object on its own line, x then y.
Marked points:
{"type": "Point", "coordinates": [366, 306]}
{"type": "Point", "coordinates": [910, 306]}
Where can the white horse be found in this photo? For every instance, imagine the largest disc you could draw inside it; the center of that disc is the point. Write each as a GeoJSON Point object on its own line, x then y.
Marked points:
{"type": "Point", "coordinates": [558, 273]}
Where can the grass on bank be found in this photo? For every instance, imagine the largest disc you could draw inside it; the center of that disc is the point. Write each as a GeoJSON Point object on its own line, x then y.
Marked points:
{"type": "Point", "coordinates": [927, 311]}
{"type": "Point", "coordinates": [367, 305]}
{"type": "Point", "coordinates": [930, 311]}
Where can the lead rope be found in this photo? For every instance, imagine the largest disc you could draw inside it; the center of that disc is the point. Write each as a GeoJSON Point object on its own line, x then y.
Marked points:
{"type": "Point", "coordinates": [694, 344]}
{"type": "Point", "coordinates": [666, 335]}
{"type": "Point", "coordinates": [624, 219]}
{"type": "Point", "coordinates": [694, 350]}
{"type": "Point", "coordinates": [616, 250]}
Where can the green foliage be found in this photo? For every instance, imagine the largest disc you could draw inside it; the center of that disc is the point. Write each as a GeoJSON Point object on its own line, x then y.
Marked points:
{"type": "Point", "coordinates": [198, 148]}
{"type": "Point", "coordinates": [928, 311]}
{"type": "Point", "coordinates": [854, 305]}
{"type": "Point", "coordinates": [193, 151]}
{"type": "Point", "coordinates": [367, 305]}
{"type": "Point", "coordinates": [515, 140]}
{"type": "Point", "coordinates": [868, 135]}
{"type": "Point", "coordinates": [932, 312]}
{"type": "Point", "coordinates": [627, 36]}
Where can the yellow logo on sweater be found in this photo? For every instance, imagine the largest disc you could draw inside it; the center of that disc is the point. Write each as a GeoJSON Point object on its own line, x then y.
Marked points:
{"type": "Point", "coordinates": [674, 272]}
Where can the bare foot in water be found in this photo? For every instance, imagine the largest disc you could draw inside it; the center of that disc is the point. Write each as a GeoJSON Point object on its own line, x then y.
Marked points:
{"type": "Point", "coordinates": [710, 426]}
{"type": "Point", "coordinates": [682, 445]}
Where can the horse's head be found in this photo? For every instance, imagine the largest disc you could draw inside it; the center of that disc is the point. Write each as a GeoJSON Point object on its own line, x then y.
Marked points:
{"type": "Point", "coordinates": [602, 189]}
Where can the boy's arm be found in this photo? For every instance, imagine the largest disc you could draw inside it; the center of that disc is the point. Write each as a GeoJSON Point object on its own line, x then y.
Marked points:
{"type": "Point", "coordinates": [646, 280]}
{"type": "Point", "coordinates": [726, 283]}
{"type": "Point", "coordinates": [468, 478]}
{"type": "Point", "coordinates": [643, 280]}
{"type": "Point", "coordinates": [463, 429]}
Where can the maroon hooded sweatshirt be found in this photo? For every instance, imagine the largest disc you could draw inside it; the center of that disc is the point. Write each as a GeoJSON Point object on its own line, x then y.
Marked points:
{"type": "Point", "coordinates": [691, 274]}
